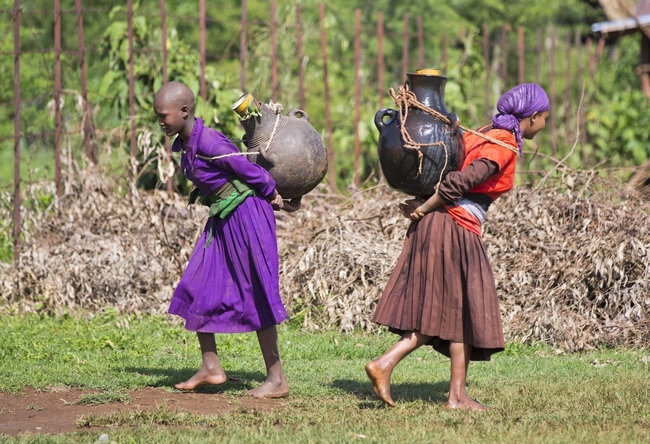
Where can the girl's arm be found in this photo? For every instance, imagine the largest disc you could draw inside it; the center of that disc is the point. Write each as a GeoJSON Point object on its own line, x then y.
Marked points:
{"type": "Point", "coordinates": [240, 165]}
{"type": "Point", "coordinates": [453, 187]}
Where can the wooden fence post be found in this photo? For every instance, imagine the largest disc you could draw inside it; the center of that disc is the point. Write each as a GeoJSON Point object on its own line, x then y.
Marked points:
{"type": "Point", "coordinates": [17, 201]}
{"type": "Point", "coordinates": [357, 96]}
{"type": "Point", "coordinates": [521, 55]}
{"type": "Point", "coordinates": [129, 15]}
{"type": "Point", "coordinates": [486, 58]}
{"type": "Point", "coordinates": [538, 52]}
{"type": "Point", "coordinates": [243, 49]}
{"type": "Point", "coordinates": [552, 92]}
{"type": "Point", "coordinates": [163, 25]}
{"type": "Point", "coordinates": [87, 123]}
{"type": "Point", "coordinates": [567, 88]}
{"type": "Point", "coordinates": [405, 47]}
{"type": "Point", "coordinates": [443, 55]}
{"type": "Point", "coordinates": [274, 55]}
{"type": "Point", "coordinates": [380, 59]}
{"type": "Point", "coordinates": [301, 59]}
{"type": "Point", "coordinates": [581, 115]}
{"type": "Point", "coordinates": [57, 97]}
{"type": "Point", "coordinates": [420, 43]}
{"type": "Point", "coordinates": [328, 117]}
{"type": "Point", "coordinates": [504, 57]}
{"type": "Point", "coordinates": [202, 25]}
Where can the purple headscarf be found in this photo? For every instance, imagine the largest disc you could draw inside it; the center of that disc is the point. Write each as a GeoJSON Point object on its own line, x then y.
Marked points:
{"type": "Point", "coordinates": [521, 101]}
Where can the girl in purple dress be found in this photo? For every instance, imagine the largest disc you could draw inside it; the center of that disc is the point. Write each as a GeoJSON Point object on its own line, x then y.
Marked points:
{"type": "Point", "coordinates": [230, 284]}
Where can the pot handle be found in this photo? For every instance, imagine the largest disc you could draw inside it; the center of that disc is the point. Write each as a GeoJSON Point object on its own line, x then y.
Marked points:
{"type": "Point", "coordinates": [299, 114]}
{"type": "Point", "coordinates": [379, 118]}
{"type": "Point", "coordinates": [454, 122]}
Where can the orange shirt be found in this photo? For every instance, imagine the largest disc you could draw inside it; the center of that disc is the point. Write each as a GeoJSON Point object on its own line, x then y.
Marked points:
{"type": "Point", "coordinates": [477, 147]}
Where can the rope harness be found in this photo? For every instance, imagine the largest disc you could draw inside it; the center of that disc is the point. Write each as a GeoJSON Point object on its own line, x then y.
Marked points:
{"type": "Point", "coordinates": [404, 99]}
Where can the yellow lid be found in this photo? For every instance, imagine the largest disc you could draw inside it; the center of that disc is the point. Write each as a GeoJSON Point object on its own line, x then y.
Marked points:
{"type": "Point", "coordinates": [428, 72]}
{"type": "Point", "coordinates": [241, 105]}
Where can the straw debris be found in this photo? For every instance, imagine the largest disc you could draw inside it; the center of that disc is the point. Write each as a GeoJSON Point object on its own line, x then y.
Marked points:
{"type": "Point", "coordinates": [571, 259]}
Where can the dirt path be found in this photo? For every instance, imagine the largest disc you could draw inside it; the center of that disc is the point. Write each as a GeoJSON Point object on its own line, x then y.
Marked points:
{"type": "Point", "coordinates": [55, 411]}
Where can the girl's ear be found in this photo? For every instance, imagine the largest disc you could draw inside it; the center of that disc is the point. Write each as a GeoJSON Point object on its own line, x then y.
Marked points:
{"type": "Point", "coordinates": [185, 110]}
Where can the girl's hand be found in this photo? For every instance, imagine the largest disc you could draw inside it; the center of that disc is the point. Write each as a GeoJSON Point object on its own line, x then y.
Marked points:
{"type": "Point", "coordinates": [418, 214]}
{"type": "Point", "coordinates": [276, 201]}
{"type": "Point", "coordinates": [410, 206]}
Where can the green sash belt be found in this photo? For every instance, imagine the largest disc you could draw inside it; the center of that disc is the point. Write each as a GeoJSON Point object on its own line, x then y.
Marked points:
{"type": "Point", "coordinates": [223, 200]}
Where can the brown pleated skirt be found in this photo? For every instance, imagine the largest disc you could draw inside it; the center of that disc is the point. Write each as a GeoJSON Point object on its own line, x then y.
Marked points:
{"type": "Point", "coordinates": [443, 286]}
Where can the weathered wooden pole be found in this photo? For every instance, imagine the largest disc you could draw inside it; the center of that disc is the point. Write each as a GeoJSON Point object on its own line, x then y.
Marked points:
{"type": "Point", "coordinates": [163, 31]}
{"type": "Point", "coordinates": [328, 117]}
{"type": "Point", "coordinates": [504, 57]}
{"type": "Point", "coordinates": [274, 55]}
{"type": "Point", "coordinates": [567, 87]}
{"type": "Point", "coordinates": [443, 50]}
{"type": "Point", "coordinates": [301, 59]}
{"type": "Point", "coordinates": [243, 49]}
{"type": "Point", "coordinates": [88, 130]}
{"type": "Point", "coordinates": [17, 201]}
{"type": "Point", "coordinates": [486, 58]}
{"type": "Point", "coordinates": [538, 53]}
{"type": "Point", "coordinates": [57, 97]}
{"type": "Point", "coordinates": [521, 55]}
{"type": "Point", "coordinates": [129, 15]}
{"type": "Point", "coordinates": [357, 96]}
{"type": "Point", "coordinates": [202, 31]}
{"type": "Point", "coordinates": [405, 47]}
{"type": "Point", "coordinates": [380, 59]}
{"type": "Point", "coordinates": [552, 92]}
{"type": "Point", "coordinates": [420, 43]}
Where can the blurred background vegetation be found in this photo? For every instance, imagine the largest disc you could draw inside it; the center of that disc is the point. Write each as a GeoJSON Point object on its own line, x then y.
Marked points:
{"type": "Point", "coordinates": [615, 110]}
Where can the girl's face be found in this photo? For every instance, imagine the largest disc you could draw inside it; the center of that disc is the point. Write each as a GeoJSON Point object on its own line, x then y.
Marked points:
{"type": "Point", "coordinates": [171, 117]}
{"type": "Point", "coordinates": [530, 126]}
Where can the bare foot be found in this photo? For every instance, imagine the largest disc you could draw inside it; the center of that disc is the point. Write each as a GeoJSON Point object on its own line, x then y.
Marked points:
{"type": "Point", "coordinates": [271, 389]}
{"type": "Point", "coordinates": [201, 378]}
{"type": "Point", "coordinates": [380, 378]}
{"type": "Point", "coordinates": [466, 403]}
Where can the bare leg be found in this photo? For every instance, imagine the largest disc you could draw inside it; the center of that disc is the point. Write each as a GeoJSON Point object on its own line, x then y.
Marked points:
{"type": "Point", "coordinates": [210, 371]}
{"type": "Point", "coordinates": [458, 398]}
{"type": "Point", "coordinates": [380, 369]}
{"type": "Point", "coordinates": [276, 385]}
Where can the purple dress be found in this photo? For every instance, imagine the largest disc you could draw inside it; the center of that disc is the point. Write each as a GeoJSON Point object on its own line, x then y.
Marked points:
{"type": "Point", "coordinates": [231, 286]}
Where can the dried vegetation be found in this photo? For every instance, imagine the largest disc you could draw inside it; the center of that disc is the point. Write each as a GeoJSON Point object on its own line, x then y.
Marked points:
{"type": "Point", "coordinates": [571, 258]}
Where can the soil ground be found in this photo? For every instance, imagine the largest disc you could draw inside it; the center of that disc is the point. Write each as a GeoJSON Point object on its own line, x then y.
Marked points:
{"type": "Point", "coordinates": [55, 411]}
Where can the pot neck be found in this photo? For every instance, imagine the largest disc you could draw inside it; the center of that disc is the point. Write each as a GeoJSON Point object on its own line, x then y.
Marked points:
{"type": "Point", "coordinates": [429, 90]}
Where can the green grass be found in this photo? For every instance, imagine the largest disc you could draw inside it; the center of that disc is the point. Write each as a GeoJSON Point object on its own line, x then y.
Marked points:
{"type": "Point", "coordinates": [536, 395]}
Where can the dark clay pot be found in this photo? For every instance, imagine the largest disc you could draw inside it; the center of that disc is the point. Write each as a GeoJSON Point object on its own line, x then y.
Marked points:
{"type": "Point", "coordinates": [399, 164]}
{"type": "Point", "coordinates": [296, 156]}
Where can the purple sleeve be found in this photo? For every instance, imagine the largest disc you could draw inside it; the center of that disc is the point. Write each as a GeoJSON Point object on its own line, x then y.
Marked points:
{"type": "Point", "coordinates": [239, 165]}
{"type": "Point", "coordinates": [456, 183]}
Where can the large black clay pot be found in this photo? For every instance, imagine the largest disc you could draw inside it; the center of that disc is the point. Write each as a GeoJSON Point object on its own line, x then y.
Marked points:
{"type": "Point", "coordinates": [288, 146]}
{"type": "Point", "coordinates": [400, 164]}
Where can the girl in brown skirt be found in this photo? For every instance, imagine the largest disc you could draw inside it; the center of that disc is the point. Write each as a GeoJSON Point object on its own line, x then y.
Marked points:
{"type": "Point", "coordinates": [442, 292]}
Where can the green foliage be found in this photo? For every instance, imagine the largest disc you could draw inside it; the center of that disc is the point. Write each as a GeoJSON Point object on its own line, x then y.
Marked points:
{"type": "Point", "coordinates": [182, 64]}
{"type": "Point", "coordinates": [619, 128]}
{"type": "Point", "coordinates": [107, 63]}
{"type": "Point", "coordinates": [619, 120]}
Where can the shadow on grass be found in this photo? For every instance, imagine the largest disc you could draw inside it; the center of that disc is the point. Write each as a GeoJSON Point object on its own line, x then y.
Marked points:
{"type": "Point", "coordinates": [405, 392]}
{"type": "Point", "coordinates": [167, 377]}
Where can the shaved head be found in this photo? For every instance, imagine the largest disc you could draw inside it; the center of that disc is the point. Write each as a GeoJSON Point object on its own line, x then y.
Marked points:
{"type": "Point", "coordinates": [174, 107]}
{"type": "Point", "coordinates": [175, 94]}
